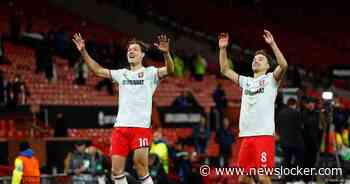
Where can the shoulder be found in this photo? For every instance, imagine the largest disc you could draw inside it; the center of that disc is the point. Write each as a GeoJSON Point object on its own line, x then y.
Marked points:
{"type": "Point", "coordinates": [18, 160]}
{"type": "Point", "coordinates": [150, 69]}
{"type": "Point", "coordinates": [270, 77]}
{"type": "Point", "coordinates": [122, 70]}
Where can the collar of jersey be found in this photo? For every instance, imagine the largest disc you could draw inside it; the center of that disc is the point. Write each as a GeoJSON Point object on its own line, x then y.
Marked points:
{"type": "Point", "coordinates": [261, 76]}
{"type": "Point", "coordinates": [136, 71]}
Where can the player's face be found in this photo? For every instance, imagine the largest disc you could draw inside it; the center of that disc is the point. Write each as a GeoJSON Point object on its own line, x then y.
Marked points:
{"type": "Point", "coordinates": [260, 63]}
{"type": "Point", "coordinates": [135, 54]}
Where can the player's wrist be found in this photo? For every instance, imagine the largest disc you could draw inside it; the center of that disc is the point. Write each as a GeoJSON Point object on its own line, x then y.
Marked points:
{"type": "Point", "coordinates": [83, 50]}
{"type": "Point", "coordinates": [273, 44]}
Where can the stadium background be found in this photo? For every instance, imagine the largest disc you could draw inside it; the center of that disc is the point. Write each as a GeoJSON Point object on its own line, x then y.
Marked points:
{"type": "Point", "coordinates": [36, 49]}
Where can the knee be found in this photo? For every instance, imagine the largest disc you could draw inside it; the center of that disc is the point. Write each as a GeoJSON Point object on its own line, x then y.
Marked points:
{"type": "Point", "coordinates": [141, 166]}
{"type": "Point", "coordinates": [117, 171]}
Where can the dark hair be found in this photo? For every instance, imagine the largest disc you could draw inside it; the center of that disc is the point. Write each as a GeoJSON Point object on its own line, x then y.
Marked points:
{"type": "Point", "coordinates": [144, 47]}
{"type": "Point", "coordinates": [291, 101]}
{"type": "Point", "coordinates": [270, 61]}
{"type": "Point", "coordinates": [24, 146]}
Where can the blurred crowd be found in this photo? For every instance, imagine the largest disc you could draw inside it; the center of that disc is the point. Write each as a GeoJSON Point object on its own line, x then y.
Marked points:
{"type": "Point", "coordinates": [13, 92]}
{"type": "Point", "coordinates": [307, 128]}
{"type": "Point", "coordinates": [303, 125]}
{"type": "Point", "coordinates": [87, 165]}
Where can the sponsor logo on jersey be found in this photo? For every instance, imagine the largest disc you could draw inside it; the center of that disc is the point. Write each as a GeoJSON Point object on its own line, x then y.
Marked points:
{"type": "Point", "coordinates": [252, 93]}
{"type": "Point", "coordinates": [262, 83]}
{"type": "Point", "coordinates": [133, 82]}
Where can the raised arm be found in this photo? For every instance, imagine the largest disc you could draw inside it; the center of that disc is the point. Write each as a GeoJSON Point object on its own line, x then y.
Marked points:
{"type": "Point", "coordinates": [282, 67]}
{"type": "Point", "coordinates": [97, 69]}
{"type": "Point", "coordinates": [224, 65]}
{"type": "Point", "coordinates": [163, 46]}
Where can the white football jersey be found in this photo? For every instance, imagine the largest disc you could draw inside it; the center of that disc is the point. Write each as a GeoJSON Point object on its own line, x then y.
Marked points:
{"type": "Point", "coordinates": [136, 89]}
{"type": "Point", "coordinates": [257, 116]}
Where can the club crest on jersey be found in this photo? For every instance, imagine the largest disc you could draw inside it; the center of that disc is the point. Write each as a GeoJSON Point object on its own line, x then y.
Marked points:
{"type": "Point", "coordinates": [140, 75]}
{"type": "Point", "coordinates": [262, 83]}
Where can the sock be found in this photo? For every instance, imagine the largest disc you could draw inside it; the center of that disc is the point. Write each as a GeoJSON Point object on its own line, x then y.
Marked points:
{"type": "Point", "coordinates": [120, 179]}
{"type": "Point", "coordinates": [146, 179]}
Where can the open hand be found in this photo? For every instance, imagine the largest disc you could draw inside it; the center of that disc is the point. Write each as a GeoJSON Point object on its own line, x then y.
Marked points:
{"type": "Point", "coordinates": [79, 42]}
{"type": "Point", "coordinates": [163, 43]}
{"type": "Point", "coordinates": [268, 37]}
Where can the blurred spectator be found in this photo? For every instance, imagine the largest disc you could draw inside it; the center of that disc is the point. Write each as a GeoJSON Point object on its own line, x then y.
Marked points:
{"type": "Point", "coordinates": [340, 116]}
{"type": "Point", "coordinates": [156, 170]}
{"type": "Point", "coordinates": [221, 102]}
{"type": "Point", "coordinates": [44, 58]}
{"type": "Point", "coordinates": [81, 72]}
{"type": "Point", "coordinates": [160, 148]}
{"type": "Point", "coordinates": [197, 161]}
{"type": "Point", "coordinates": [24, 94]}
{"type": "Point", "coordinates": [181, 160]}
{"type": "Point", "coordinates": [10, 97]}
{"type": "Point", "coordinates": [27, 167]}
{"type": "Point", "coordinates": [179, 66]}
{"type": "Point", "coordinates": [311, 134]}
{"type": "Point", "coordinates": [60, 126]}
{"type": "Point", "coordinates": [201, 135]}
{"type": "Point", "coordinates": [200, 66]}
{"type": "Point", "coordinates": [20, 91]}
{"type": "Point", "coordinates": [289, 128]}
{"type": "Point", "coordinates": [186, 99]}
{"type": "Point", "coordinates": [80, 165]}
{"type": "Point", "coordinates": [99, 164]}
{"type": "Point", "coordinates": [225, 138]}
{"type": "Point", "coordinates": [219, 98]}
{"type": "Point", "coordinates": [279, 104]}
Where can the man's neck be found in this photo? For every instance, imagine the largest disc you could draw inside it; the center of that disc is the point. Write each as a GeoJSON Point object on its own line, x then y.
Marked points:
{"type": "Point", "coordinates": [135, 66]}
{"type": "Point", "coordinates": [258, 74]}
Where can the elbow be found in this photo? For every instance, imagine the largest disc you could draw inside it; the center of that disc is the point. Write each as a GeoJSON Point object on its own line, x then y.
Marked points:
{"type": "Point", "coordinates": [99, 73]}
{"type": "Point", "coordinates": [284, 66]}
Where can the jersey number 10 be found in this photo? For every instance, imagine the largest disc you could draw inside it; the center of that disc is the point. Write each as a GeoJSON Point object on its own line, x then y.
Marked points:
{"type": "Point", "coordinates": [143, 142]}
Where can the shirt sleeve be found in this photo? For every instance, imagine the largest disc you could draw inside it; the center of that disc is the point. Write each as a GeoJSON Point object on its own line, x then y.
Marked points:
{"type": "Point", "coordinates": [243, 81]}
{"type": "Point", "coordinates": [116, 75]}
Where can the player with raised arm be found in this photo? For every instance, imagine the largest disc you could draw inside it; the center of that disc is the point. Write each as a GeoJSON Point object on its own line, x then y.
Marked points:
{"type": "Point", "coordinates": [132, 130]}
{"type": "Point", "coordinates": [256, 122]}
